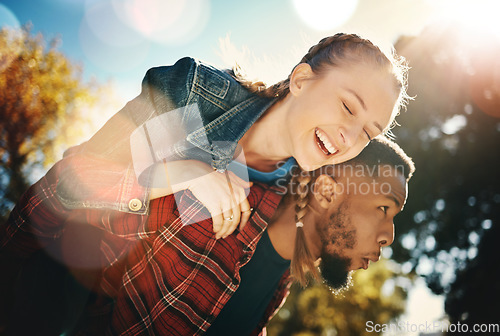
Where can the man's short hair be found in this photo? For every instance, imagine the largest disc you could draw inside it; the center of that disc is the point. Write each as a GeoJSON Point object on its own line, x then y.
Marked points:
{"type": "Point", "coordinates": [376, 153]}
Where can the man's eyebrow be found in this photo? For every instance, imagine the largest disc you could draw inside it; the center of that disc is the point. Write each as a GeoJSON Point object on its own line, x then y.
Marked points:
{"type": "Point", "coordinates": [394, 199]}
{"type": "Point", "coordinates": [361, 101]}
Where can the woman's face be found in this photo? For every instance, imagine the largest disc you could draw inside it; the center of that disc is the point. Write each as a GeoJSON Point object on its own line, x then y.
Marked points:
{"type": "Point", "coordinates": [333, 116]}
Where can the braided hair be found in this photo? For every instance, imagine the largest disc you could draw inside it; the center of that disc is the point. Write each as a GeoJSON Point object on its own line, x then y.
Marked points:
{"type": "Point", "coordinates": [302, 259]}
{"type": "Point", "coordinates": [331, 51]}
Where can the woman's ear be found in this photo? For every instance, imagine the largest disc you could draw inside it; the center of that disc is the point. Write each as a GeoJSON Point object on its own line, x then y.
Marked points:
{"type": "Point", "coordinates": [326, 191]}
{"type": "Point", "coordinates": [300, 74]}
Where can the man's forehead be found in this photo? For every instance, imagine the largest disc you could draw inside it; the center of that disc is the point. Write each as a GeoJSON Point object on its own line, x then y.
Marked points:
{"type": "Point", "coordinates": [373, 173]}
{"type": "Point", "coordinates": [388, 181]}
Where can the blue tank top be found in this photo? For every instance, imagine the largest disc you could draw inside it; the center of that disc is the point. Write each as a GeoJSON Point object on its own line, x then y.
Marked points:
{"type": "Point", "coordinates": [281, 172]}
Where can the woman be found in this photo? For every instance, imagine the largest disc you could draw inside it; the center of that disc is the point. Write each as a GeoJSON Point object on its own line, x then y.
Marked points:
{"type": "Point", "coordinates": [343, 93]}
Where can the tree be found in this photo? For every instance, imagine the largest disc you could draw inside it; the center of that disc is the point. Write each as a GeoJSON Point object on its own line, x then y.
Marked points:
{"type": "Point", "coordinates": [377, 296]}
{"type": "Point", "coordinates": [43, 98]}
{"type": "Point", "coordinates": [474, 297]}
{"type": "Point", "coordinates": [452, 131]}
{"type": "Point", "coordinates": [44, 102]}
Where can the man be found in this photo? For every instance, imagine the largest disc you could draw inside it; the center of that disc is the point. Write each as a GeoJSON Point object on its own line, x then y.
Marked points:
{"type": "Point", "coordinates": [161, 277]}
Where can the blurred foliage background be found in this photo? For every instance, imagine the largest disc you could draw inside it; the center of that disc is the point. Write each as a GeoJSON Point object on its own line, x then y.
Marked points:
{"type": "Point", "coordinates": [449, 228]}
{"type": "Point", "coordinates": [45, 104]}
{"type": "Point", "coordinates": [448, 232]}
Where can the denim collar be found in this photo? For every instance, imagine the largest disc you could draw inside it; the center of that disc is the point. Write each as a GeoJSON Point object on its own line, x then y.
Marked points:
{"type": "Point", "coordinates": [224, 132]}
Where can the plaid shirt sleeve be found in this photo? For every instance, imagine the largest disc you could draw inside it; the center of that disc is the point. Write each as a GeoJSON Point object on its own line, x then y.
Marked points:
{"type": "Point", "coordinates": [37, 218]}
{"type": "Point", "coordinates": [40, 216]}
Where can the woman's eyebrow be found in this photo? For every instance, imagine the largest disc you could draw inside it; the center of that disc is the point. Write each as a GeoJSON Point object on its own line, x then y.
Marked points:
{"type": "Point", "coordinates": [363, 105]}
{"type": "Point", "coordinates": [360, 100]}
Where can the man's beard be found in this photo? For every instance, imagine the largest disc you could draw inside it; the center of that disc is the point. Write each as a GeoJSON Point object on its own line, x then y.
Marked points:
{"type": "Point", "coordinates": [334, 271]}
{"type": "Point", "coordinates": [339, 234]}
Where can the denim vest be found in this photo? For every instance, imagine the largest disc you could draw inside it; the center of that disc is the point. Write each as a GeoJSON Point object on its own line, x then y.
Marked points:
{"type": "Point", "coordinates": [210, 107]}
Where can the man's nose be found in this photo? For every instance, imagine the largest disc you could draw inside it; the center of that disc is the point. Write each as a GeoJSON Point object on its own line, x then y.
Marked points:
{"type": "Point", "coordinates": [386, 235]}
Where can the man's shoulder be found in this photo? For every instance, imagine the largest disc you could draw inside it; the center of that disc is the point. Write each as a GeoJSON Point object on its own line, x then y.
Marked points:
{"type": "Point", "coordinates": [265, 197]}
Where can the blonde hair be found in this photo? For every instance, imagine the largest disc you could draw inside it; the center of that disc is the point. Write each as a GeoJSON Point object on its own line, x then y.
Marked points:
{"type": "Point", "coordinates": [331, 51]}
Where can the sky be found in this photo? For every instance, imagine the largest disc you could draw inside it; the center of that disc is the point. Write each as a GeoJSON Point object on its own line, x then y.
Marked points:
{"type": "Point", "coordinates": [119, 40]}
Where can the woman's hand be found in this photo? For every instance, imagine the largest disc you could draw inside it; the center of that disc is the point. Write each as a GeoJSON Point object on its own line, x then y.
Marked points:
{"type": "Point", "coordinates": [223, 194]}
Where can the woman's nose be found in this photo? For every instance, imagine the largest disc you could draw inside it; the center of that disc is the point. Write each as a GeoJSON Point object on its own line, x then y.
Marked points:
{"type": "Point", "coordinates": [349, 135]}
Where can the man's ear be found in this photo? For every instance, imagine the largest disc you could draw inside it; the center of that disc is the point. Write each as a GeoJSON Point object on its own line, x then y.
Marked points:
{"type": "Point", "coordinates": [326, 191]}
{"type": "Point", "coordinates": [300, 74]}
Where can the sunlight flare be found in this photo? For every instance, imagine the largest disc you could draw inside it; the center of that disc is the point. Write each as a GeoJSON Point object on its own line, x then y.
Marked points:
{"type": "Point", "coordinates": [323, 15]}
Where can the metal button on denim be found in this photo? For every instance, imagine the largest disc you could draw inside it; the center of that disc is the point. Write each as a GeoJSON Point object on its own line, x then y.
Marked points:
{"type": "Point", "coordinates": [135, 204]}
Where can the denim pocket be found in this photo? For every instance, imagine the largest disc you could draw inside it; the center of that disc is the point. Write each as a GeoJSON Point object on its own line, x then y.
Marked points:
{"type": "Point", "coordinates": [211, 82]}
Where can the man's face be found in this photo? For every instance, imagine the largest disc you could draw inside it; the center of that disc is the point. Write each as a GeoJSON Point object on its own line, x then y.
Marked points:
{"type": "Point", "coordinates": [360, 223]}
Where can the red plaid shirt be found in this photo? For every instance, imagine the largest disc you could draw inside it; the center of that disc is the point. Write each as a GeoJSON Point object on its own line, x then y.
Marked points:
{"type": "Point", "coordinates": [164, 278]}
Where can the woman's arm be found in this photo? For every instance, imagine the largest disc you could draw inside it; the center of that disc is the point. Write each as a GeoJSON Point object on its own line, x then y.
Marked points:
{"type": "Point", "coordinates": [106, 158]}
{"type": "Point", "coordinates": [223, 194]}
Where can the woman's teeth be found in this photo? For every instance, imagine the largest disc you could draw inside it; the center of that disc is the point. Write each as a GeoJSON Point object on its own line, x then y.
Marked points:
{"type": "Point", "coordinates": [324, 140]}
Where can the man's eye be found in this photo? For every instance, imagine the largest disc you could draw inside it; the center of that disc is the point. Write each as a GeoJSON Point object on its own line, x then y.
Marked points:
{"type": "Point", "coordinates": [384, 208]}
{"type": "Point", "coordinates": [345, 106]}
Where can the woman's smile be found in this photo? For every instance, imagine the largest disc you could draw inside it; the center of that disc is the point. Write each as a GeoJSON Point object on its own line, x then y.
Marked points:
{"type": "Point", "coordinates": [324, 143]}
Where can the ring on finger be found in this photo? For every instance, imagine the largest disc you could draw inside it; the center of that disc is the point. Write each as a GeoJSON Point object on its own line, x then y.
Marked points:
{"type": "Point", "coordinates": [229, 219]}
{"type": "Point", "coordinates": [249, 210]}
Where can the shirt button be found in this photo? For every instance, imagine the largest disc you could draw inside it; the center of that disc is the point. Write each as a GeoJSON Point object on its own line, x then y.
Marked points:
{"type": "Point", "coordinates": [135, 204]}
